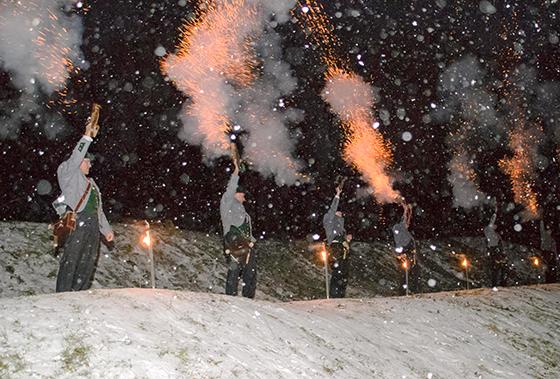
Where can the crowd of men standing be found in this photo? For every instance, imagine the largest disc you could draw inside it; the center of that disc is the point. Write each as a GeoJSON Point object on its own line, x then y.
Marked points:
{"type": "Point", "coordinates": [81, 199]}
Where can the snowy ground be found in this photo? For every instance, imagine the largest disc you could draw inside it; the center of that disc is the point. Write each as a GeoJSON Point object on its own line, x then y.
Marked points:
{"type": "Point", "coordinates": [187, 329]}
{"type": "Point", "coordinates": [144, 333]}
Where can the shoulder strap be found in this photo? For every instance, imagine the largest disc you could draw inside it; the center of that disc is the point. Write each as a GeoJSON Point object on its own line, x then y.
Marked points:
{"type": "Point", "coordinates": [83, 197]}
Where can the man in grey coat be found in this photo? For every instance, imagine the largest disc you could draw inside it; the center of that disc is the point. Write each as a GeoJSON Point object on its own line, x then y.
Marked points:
{"type": "Point", "coordinates": [494, 252]}
{"type": "Point", "coordinates": [405, 250]}
{"type": "Point", "coordinates": [238, 239]}
{"type": "Point", "coordinates": [550, 254]}
{"type": "Point", "coordinates": [338, 247]}
{"type": "Point", "coordinates": [81, 249]}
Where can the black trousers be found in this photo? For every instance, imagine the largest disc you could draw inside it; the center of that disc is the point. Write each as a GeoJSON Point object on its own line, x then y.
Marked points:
{"type": "Point", "coordinates": [550, 259]}
{"type": "Point", "coordinates": [498, 266]}
{"type": "Point", "coordinates": [339, 269]}
{"type": "Point", "coordinates": [79, 255]}
{"type": "Point", "coordinates": [244, 266]}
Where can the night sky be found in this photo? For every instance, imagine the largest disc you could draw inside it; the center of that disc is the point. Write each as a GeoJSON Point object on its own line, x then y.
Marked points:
{"type": "Point", "coordinates": [145, 171]}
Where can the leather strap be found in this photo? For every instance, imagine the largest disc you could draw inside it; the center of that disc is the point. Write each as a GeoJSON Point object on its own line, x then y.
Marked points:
{"type": "Point", "coordinates": [83, 197]}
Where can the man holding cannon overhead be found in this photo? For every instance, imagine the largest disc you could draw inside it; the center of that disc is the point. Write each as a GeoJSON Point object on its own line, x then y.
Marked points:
{"type": "Point", "coordinates": [496, 256]}
{"type": "Point", "coordinates": [338, 246]}
{"type": "Point", "coordinates": [405, 249]}
{"type": "Point", "coordinates": [238, 236]}
{"type": "Point", "coordinates": [82, 199]}
{"type": "Point", "coordinates": [549, 254]}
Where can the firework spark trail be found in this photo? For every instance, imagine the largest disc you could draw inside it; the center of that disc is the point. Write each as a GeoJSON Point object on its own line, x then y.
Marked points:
{"type": "Point", "coordinates": [215, 66]}
{"type": "Point", "coordinates": [319, 29]}
{"type": "Point", "coordinates": [521, 167]}
{"type": "Point", "coordinates": [39, 42]}
{"type": "Point", "coordinates": [40, 47]}
{"type": "Point", "coordinates": [525, 137]}
{"type": "Point", "coordinates": [351, 98]}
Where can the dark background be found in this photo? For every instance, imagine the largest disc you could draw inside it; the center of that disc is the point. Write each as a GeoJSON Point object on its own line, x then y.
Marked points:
{"type": "Point", "coordinates": [145, 171]}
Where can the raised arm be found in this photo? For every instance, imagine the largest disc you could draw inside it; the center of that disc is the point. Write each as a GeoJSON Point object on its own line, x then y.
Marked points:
{"type": "Point", "coordinates": [79, 152]}
{"type": "Point", "coordinates": [493, 219]}
{"type": "Point", "coordinates": [408, 215]}
{"type": "Point", "coordinates": [328, 218]}
{"type": "Point", "coordinates": [231, 189]}
{"type": "Point", "coordinates": [78, 155]}
{"type": "Point", "coordinates": [543, 231]}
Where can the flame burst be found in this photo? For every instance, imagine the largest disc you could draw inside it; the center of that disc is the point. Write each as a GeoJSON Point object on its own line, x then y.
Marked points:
{"type": "Point", "coordinates": [364, 148]}
{"type": "Point", "coordinates": [521, 168]}
{"type": "Point", "coordinates": [214, 51]}
{"type": "Point", "coordinates": [147, 240]}
{"type": "Point", "coordinates": [40, 45]}
{"type": "Point", "coordinates": [351, 98]}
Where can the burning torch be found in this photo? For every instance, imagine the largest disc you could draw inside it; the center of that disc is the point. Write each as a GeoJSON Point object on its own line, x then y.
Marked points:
{"type": "Point", "coordinates": [147, 243]}
{"type": "Point", "coordinates": [325, 257]}
{"type": "Point", "coordinates": [405, 267]}
{"type": "Point", "coordinates": [465, 264]}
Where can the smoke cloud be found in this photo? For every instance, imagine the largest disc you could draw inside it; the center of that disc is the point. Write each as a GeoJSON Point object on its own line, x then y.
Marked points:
{"type": "Point", "coordinates": [466, 193]}
{"type": "Point", "coordinates": [216, 67]}
{"type": "Point", "coordinates": [520, 119]}
{"type": "Point", "coordinates": [471, 108]}
{"type": "Point", "coordinates": [40, 46]}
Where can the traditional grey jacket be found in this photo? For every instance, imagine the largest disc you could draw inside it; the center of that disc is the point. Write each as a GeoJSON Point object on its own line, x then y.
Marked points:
{"type": "Point", "coordinates": [232, 211]}
{"type": "Point", "coordinates": [547, 242]}
{"type": "Point", "coordinates": [73, 183]}
{"type": "Point", "coordinates": [334, 225]}
{"type": "Point", "coordinates": [401, 235]}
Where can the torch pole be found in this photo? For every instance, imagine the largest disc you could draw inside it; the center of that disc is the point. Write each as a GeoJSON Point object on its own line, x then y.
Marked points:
{"type": "Point", "coordinates": [325, 260]}
{"type": "Point", "coordinates": [406, 278]}
{"type": "Point", "coordinates": [467, 273]}
{"type": "Point", "coordinates": [152, 270]}
{"type": "Point", "coordinates": [147, 241]}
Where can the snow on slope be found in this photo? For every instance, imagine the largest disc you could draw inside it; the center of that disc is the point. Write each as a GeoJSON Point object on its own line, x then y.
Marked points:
{"type": "Point", "coordinates": [287, 270]}
{"type": "Point", "coordinates": [144, 333]}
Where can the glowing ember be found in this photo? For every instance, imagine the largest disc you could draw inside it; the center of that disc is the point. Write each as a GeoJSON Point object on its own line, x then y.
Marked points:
{"type": "Point", "coordinates": [146, 240]}
{"type": "Point", "coordinates": [465, 263]}
{"type": "Point", "coordinates": [521, 168]}
{"type": "Point", "coordinates": [320, 31]}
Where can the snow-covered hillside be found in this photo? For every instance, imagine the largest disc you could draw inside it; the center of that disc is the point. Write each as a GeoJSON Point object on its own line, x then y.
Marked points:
{"type": "Point", "coordinates": [287, 270]}
{"type": "Point", "coordinates": [187, 329]}
{"type": "Point", "coordinates": [144, 333]}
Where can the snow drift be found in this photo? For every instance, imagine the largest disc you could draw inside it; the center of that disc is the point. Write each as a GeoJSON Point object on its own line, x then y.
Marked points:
{"type": "Point", "coordinates": [131, 333]}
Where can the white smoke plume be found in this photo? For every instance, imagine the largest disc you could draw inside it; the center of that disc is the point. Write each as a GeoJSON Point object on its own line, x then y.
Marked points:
{"type": "Point", "coordinates": [469, 105]}
{"type": "Point", "coordinates": [216, 67]}
{"type": "Point", "coordinates": [466, 193]}
{"type": "Point", "coordinates": [263, 114]}
{"type": "Point", "coordinates": [39, 46]}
